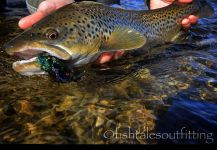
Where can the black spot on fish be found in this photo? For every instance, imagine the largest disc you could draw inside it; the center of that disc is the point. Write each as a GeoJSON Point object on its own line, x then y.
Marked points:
{"type": "Point", "coordinates": [105, 25]}
{"type": "Point", "coordinates": [92, 22]}
{"type": "Point", "coordinates": [110, 20]}
{"type": "Point", "coordinates": [88, 25]}
{"type": "Point", "coordinates": [106, 20]}
{"type": "Point", "coordinates": [89, 35]}
{"type": "Point", "coordinates": [100, 25]}
{"type": "Point", "coordinates": [104, 37]}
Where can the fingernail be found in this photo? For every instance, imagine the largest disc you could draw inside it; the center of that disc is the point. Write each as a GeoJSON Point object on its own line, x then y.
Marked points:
{"type": "Point", "coordinates": [21, 24]}
{"type": "Point", "coordinates": [185, 21]}
{"type": "Point", "coordinates": [193, 19]}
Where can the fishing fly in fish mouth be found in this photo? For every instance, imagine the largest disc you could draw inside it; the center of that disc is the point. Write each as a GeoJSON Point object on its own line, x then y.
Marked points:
{"type": "Point", "coordinates": [80, 32]}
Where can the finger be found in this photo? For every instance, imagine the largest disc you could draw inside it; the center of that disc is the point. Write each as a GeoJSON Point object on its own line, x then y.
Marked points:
{"type": "Point", "coordinates": [154, 4]}
{"type": "Point", "coordinates": [186, 23]}
{"type": "Point", "coordinates": [118, 55]}
{"type": "Point", "coordinates": [187, 26]}
{"type": "Point", "coordinates": [47, 7]}
{"type": "Point", "coordinates": [169, 1]}
{"type": "Point", "coordinates": [193, 19]}
{"type": "Point", "coordinates": [28, 21]}
{"type": "Point", "coordinates": [185, 1]}
{"type": "Point", "coordinates": [44, 9]}
{"type": "Point", "coordinates": [60, 3]}
{"type": "Point", "coordinates": [104, 58]}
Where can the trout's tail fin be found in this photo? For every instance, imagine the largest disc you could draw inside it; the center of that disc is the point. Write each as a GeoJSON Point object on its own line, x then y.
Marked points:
{"type": "Point", "coordinates": [205, 8]}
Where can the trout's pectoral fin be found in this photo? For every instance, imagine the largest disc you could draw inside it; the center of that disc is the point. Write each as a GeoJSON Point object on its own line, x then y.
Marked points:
{"type": "Point", "coordinates": [123, 38]}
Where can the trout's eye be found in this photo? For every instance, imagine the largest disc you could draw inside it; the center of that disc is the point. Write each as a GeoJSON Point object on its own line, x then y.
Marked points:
{"type": "Point", "coordinates": [52, 34]}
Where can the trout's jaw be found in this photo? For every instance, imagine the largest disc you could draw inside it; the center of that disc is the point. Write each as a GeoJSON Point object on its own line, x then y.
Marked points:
{"type": "Point", "coordinates": [32, 49]}
{"type": "Point", "coordinates": [28, 67]}
{"type": "Point", "coordinates": [29, 52]}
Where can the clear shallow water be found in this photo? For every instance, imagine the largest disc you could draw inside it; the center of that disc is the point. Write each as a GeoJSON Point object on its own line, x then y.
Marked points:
{"type": "Point", "coordinates": [175, 89]}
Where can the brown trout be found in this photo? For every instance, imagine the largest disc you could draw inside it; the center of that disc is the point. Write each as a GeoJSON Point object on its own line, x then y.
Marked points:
{"type": "Point", "coordinates": [80, 32]}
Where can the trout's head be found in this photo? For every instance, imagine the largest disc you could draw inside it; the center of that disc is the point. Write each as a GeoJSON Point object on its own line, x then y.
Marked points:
{"type": "Point", "coordinates": [55, 35]}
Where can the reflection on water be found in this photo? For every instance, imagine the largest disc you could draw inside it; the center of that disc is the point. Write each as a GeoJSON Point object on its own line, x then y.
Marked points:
{"type": "Point", "coordinates": [175, 88]}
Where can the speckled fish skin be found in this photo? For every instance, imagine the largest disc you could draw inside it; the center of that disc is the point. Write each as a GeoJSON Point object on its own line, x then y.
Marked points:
{"type": "Point", "coordinates": [81, 31]}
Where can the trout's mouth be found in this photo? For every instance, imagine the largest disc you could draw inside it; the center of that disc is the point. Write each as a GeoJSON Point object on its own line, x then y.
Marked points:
{"type": "Point", "coordinates": [28, 53]}
{"type": "Point", "coordinates": [30, 66]}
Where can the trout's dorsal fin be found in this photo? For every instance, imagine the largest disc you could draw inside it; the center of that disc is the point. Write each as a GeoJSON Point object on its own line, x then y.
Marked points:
{"type": "Point", "coordinates": [124, 38]}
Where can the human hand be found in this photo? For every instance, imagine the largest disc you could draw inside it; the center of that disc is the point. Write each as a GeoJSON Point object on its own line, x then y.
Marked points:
{"type": "Point", "coordinates": [45, 8]}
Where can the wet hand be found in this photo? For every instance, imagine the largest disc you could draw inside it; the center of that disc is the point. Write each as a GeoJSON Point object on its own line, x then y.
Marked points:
{"type": "Point", "coordinates": [45, 8]}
